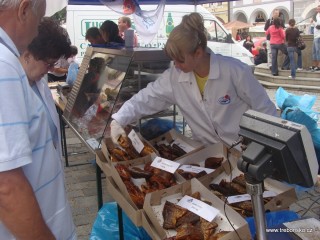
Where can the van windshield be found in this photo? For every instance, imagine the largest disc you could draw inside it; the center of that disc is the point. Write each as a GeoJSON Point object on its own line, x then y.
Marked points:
{"type": "Point", "coordinates": [215, 32]}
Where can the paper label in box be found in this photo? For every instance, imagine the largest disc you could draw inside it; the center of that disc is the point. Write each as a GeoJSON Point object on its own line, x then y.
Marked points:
{"type": "Point", "coordinates": [165, 164]}
{"type": "Point", "coordinates": [136, 142]}
{"type": "Point", "coordinates": [183, 145]}
{"type": "Point", "coordinates": [139, 181]}
{"type": "Point", "coordinates": [93, 143]}
{"type": "Point", "coordinates": [198, 207]}
{"type": "Point", "coordinates": [247, 197]}
{"type": "Point", "coordinates": [195, 169]}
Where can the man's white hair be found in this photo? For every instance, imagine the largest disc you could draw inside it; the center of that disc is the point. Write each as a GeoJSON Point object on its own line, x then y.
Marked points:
{"type": "Point", "coordinates": [10, 4]}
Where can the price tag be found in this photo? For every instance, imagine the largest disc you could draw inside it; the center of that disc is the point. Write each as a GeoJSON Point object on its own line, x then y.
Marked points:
{"type": "Point", "coordinates": [195, 169]}
{"type": "Point", "coordinates": [165, 164]}
{"type": "Point", "coordinates": [183, 145]}
{"type": "Point", "coordinates": [267, 194]}
{"type": "Point", "coordinates": [198, 207]}
{"type": "Point", "coordinates": [247, 197]}
{"type": "Point", "coordinates": [136, 142]}
{"type": "Point", "coordinates": [93, 143]}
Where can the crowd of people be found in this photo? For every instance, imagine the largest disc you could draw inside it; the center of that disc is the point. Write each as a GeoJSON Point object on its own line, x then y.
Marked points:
{"type": "Point", "coordinates": [280, 38]}
{"type": "Point", "coordinates": [110, 34]}
{"type": "Point", "coordinates": [33, 199]}
{"type": "Point", "coordinates": [212, 92]}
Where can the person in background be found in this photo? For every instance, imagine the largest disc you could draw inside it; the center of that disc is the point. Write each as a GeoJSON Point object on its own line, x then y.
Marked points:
{"type": "Point", "coordinates": [292, 34]}
{"type": "Point", "coordinates": [33, 201]}
{"type": "Point", "coordinates": [269, 22]}
{"type": "Point", "coordinates": [93, 36]}
{"type": "Point", "coordinates": [110, 34]}
{"type": "Point", "coordinates": [89, 89]}
{"type": "Point", "coordinates": [261, 57]}
{"type": "Point", "coordinates": [124, 23]}
{"type": "Point", "coordinates": [59, 72]}
{"type": "Point", "coordinates": [238, 36]}
{"type": "Point", "coordinates": [244, 34]}
{"type": "Point", "coordinates": [73, 66]}
{"type": "Point", "coordinates": [311, 27]}
{"type": "Point", "coordinates": [248, 44]}
{"type": "Point", "coordinates": [277, 42]}
{"type": "Point", "coordinates": [212, 91]}
{"type": "Point", "coordinates": [259, 18]}
{"type": "Point", "coordinates": [282, 18]}
{"type": "Point", "coordinates": [316, 42]}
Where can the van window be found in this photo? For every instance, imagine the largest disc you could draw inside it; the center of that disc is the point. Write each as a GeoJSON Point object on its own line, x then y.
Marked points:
{"type": "Point", "coordinates": [215, 32]}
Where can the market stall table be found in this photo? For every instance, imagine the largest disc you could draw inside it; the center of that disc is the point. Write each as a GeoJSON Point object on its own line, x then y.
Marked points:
{"type": "Point", "coordinates": [60, 105]}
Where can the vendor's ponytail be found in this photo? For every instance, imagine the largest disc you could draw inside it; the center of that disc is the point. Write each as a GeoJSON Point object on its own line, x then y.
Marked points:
{"type": "Point", "coordinates": [187, 37]}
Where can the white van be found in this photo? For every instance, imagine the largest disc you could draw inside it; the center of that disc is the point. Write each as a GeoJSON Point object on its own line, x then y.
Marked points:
{"type": "Point", "coordinates": [82, 17]}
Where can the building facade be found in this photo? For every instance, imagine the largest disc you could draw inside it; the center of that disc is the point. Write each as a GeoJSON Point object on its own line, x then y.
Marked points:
{"type": "Point", "coordinates": [252, 10]}
{"type": "Point", "coordinates": [219, 10]}
{"type": "Point", "coordinates": [255, 11]}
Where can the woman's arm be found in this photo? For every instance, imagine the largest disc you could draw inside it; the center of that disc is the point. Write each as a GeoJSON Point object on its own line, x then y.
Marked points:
{"type": "Point", "coordinates": [157, 96]}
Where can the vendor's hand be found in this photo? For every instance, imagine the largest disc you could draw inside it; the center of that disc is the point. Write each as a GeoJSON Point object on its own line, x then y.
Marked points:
{"type": "Point", "coordinates": [116, 131]}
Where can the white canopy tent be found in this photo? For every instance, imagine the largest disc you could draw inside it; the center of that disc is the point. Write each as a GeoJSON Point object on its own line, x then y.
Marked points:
{"type": "Point", "coordinates": [146, 22]}
{"type": "Point", "coordinates": [54, 6]}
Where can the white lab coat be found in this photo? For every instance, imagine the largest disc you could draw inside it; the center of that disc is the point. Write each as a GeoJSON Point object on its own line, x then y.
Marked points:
{"type": "Point", "coordinates": [231, 90]}
{"type": "Point", "coordinates": [46, 95]}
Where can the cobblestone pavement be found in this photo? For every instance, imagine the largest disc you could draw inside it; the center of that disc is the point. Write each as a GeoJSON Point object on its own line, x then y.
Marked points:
{"type": "Point", "coordinates": [82, 192]}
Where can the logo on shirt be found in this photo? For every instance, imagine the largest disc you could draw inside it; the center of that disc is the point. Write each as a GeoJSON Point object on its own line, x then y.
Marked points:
{"type": "Point", "coordinates": [224, 100]}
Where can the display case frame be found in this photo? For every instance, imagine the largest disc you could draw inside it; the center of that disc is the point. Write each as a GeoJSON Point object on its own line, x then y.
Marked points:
{"type": "Point", "coordinates": [123, 69]}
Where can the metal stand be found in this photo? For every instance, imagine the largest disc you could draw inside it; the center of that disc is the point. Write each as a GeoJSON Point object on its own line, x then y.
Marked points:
{"type": "Point", "coordinates": [255, 189]}
{"type": "Point", "coordinates": [63, 136]}
{"type": "Point", "coordinates": [256, 163]}
{"type": "Point", "coordinates": [120, 222]}
{"type": "Point", "coordinates": [99, 187]}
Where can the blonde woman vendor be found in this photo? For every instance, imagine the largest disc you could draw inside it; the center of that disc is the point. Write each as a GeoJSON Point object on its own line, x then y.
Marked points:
{"type": "Point", "coordinates": [212, 91]}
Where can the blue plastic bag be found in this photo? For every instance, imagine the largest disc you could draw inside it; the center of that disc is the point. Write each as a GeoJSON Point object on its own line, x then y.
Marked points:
{"type": "Point", "coordinates": [157, 126]}
{"type": "Point", "coordinates": [301, 116]}
{"type": "Point", "coordinates": [285, 99]}
{"type": "Point", "coordinates": [106, 225]}
{"type": "Point", "coordinates": [72, 73]}
{"type": "Point", "coordinates": [273, 219]}
{"type": "Point", "coordinates": [298, 115]}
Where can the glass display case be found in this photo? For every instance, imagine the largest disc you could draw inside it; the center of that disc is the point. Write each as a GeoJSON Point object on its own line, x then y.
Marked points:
{"type": "Point", "coordinates": [106, 79]}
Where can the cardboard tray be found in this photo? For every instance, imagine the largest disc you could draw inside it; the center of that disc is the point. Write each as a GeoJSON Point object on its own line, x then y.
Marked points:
{"type": "Point", "coordinates": [103, 163]}
{"type": "Point", "coordinates": [286, 194]}
{"type": "Point", "coordinates": [134, 211]}
{"type": "Point", "coordinates": [152, 220]}
{"type": "Point", "coordinates": [173, 135]}
{"type": "Point", "coordinates": [212, 150]}
{"type": "Point", "coordinates": [107, 143]}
